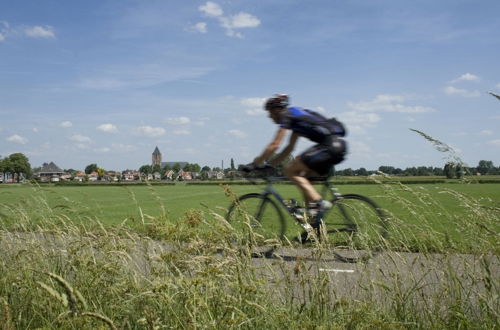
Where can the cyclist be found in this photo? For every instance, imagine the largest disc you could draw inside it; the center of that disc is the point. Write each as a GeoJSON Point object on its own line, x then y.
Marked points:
{"type": "Point", "coordinates": [330, 149]}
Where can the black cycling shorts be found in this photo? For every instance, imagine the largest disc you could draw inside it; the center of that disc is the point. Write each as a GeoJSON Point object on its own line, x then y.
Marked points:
{"type": "Point", "coordinates": [321, 157]}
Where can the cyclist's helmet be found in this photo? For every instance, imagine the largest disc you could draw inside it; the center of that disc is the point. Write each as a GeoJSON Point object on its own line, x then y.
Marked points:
{"type": "Point", "coordinates": [278, 101]}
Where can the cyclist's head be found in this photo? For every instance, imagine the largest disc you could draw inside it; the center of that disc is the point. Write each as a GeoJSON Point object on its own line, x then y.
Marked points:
{"type": "Point", "coordinates": [276, 103]}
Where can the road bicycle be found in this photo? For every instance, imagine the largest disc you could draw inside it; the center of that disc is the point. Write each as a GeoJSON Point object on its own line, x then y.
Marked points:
{"type": "Point", "coordinates": [355, 228]}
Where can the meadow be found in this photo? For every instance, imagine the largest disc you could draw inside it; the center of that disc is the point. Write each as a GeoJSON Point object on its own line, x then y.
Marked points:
{"type": "Point", "coordinates": [148, 257]}
{"type": "Point", "coordinates": [416, 210]}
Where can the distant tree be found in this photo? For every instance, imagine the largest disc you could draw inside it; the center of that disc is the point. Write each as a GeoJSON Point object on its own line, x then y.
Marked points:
{"type": "Point", "coordinates": [397, 171]}
{"type": "Point", "coordinates": [145, 169]}
{"type": "Point", "coordinates": [387, 169]}
{"type": "Point", "coordinates": [176, 168]}
{"type": "Point", "coordinates": [91, 168]}
{"type": "Point", "coordinates": [361, 172]}
{"type": "Point", "coordinates": [348, 172]}
{"type": "Point", "coordinates": [422, 171]}
{"type": "Point", "coordinates": [69, 171]}
{"type": "Point", "coordinates": [485, 167]}
{"type": "Point", "coordinates": [100, 173]}
{"type": "Point", "coordinates": [460, 171]}
{"type": "Point", "coordinates": [232, 164]}
{"type": "Point", "coordinates": [438, 171]}
{"type": "Point", "coordinates": [19, 164]}
{"type": "Point", "coordinates": [205, 169]}
{"type": "Point", "coordinates": [195, 168]}
{"type": "Point", "coordinates": [410, 171]}
{"type": "Point", "coordinates": [450, 170]}
{"type": "Point", "coordinates": [156, 168]}
{"type": "Point", "coordinates": [6, 167]}
{"type": "Point", "coordinates": [167, 167]}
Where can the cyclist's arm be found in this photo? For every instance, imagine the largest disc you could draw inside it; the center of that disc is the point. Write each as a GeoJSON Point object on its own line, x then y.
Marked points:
{"type": "Point", "coordinates": [271, 147]}
{"type": "Point", "coordinates": [287, 151]}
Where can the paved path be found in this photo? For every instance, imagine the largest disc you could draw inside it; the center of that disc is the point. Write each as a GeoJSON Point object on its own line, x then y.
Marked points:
{"type": "Point", "coordinates": [303, 269]}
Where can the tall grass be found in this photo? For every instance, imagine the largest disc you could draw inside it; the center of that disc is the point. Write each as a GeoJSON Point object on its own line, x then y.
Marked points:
{"type": "Point", "coordinates": [62, 274]}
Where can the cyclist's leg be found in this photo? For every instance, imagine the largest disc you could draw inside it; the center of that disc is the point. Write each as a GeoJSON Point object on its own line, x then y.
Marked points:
{"type": "Point", "coordinates": [297, 172]}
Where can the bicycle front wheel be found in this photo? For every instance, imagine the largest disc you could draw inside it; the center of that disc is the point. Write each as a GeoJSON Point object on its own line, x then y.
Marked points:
{"type": "Point", "coordinates": [356, 227]}
{"type": "Point", "coordinates": [258, 218]}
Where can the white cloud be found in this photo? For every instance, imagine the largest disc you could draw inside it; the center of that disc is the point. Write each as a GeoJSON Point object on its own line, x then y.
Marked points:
{"type": "Point", "coordinates": [102, 150]}
{"type": "Point", "coordinates": [359, 148]}
{"type": "Point", "coordinates": [358, 122]}
{"type": "Point", "coordinates": [211, 9]}
{"type": "Point", "coordinates": [40, 32]}
{"type": "Point", "coordinates": [231, 22]}
{"type": "Point", "coordinates": [253, 105]}
{"type": "Point", "coordinates": [388, 103]}
{"type": "Point", "coordinates": [178, 121]}
{"type": "Point", "coordinates": [486, 132]}
{"type": "Point", "coordinates": [80, 138]}
{"type": "Point", "coordinates": [6, 30]}
{"type": "Point", "coordinates": [17, 139]}
{"type": "Point", "coordinates": [149, 131]}
{"type": "Point", "coordinates": [66, 124]}
{"type": "Point", "coordinates": [123, 147]}
{"type": "Point", "coordinates": [81, 146]}
{"type": "Point", "coordinates": [181, 132]}
{"type": "Point", "coordinates": [35, 129]}
{"type": "Point", "coordinates": [495, 143]}
{"type": "Point", "coordinates": [498, 86]}
{"type": "Point", "coordinates": [200, 27]}
{"type": "Point", "coordinates": [466, 77]}
{"type": "Point", "coordinates": [240, 20]}
{"type": "Point", "coordinates": [108, 128]}
{"type": "Point", "coordinates": [450, 90]}
{"type": "Point", "coordinates": [237, 133]}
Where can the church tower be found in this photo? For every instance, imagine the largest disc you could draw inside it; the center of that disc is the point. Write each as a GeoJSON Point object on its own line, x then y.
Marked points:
{"type": "Point", "coordinates": [156, 159]}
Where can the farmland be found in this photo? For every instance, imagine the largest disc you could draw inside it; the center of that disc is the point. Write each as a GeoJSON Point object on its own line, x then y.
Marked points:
{"type": "Point", "coordinates": [447, 209]}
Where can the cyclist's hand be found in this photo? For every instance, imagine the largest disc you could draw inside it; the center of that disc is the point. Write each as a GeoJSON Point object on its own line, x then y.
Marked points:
{"type": "Point", "coordinates": [248, 168]}
{"type": "Point", "coordinates": [264, 168]}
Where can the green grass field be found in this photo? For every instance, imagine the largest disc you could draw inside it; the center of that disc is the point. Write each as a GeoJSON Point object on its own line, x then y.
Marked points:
{"type": "Point", "coordinates": [448, 210]}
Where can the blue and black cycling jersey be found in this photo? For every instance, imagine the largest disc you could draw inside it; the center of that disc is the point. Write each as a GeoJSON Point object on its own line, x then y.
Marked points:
{"type": "Point", "coordinates": [308, 124]}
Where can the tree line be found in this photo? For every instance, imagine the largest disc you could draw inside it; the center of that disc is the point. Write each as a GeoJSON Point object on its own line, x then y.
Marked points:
{"type": "Point", "coordinates": [450, 170]}
{"type": "Point", "coordinates": [18, 166]}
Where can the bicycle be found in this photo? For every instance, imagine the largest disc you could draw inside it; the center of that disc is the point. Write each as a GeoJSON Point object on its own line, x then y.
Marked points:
{"type": "Point", "coordinates": [355, 226]}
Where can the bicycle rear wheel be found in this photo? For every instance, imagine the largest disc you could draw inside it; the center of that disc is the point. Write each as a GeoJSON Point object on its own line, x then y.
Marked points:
{"type": "Point", "coordinates": [356, 228]}
{"type": "Point", "coordinates": [257, 217]}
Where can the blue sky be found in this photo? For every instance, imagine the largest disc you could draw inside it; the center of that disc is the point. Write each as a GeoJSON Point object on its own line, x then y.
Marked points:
{"type": "Point", "coordinates": [106, 81]}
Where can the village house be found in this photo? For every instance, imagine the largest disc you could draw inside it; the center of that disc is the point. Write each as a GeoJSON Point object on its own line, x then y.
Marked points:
{"type": "Point", "coordinates": [169, 175]}
{"type": "Point", "coordinates": [79, 176]}
{"type": "Point", "coordinates": [129, 175]}
{"type": "Point", "coordinates": [184, 176]}
{"type": "Point", "coordinates": [219, 175]}
{"type": "Point", "coordinates": [50, 172]}
{"type": "Point", "coordinates": [112, 176]}
{"type": "Point", "coordinates": [93, 177]}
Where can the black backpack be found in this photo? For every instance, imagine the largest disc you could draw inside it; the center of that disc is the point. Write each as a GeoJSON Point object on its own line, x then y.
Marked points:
{"type": "Point", "coordinates": [332, 124]}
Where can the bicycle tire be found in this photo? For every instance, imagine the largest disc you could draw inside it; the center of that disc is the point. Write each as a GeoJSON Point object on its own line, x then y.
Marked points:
{"type": "Point", "coordinates": [356, 228]}
{"type": "Point", "coordinates": [261, 215]}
